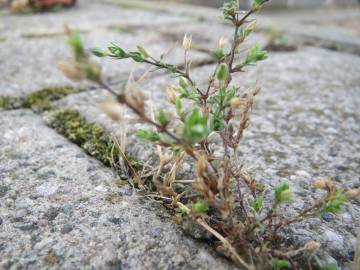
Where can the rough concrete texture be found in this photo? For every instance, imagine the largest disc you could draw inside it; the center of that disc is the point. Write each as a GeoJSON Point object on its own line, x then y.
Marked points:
{"type": "Point", "coordinates": [331, 28]}
{"type": "Point", "coordinates": [42, 50]}
{"type": "Point", "coordinates": [61, 209]}
{"type": "Point", "coordinates": [85, 16]}
{"type": "Point", "coordinates": [303, 128]}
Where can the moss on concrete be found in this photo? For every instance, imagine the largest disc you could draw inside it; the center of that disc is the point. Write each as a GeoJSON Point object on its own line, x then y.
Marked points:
{"type": "Point", "coordinates": [10, 103]}
{"type": "Point", "coordinates": [41, 100]}
{"type": "Point", "coordinates": [89, 136]}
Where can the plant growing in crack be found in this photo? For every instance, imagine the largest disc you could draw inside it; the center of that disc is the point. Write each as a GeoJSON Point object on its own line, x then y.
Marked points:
{"type": "Point", "coordinates": [244, 219]}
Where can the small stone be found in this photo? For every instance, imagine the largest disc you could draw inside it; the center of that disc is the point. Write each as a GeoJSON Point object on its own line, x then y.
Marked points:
{"type": "Point", "coordinates": [100, 188]}
{"type": "Point", "coordinates": [334, 241]}
{"type": "Point", "coordinates": [351, 255]}
{"type": "Point", "coordinates": [28, 226]}
{"type": "Point", "coordinates": [3, 191]}
{"type": "Point", "coordinates": [124, 177]}
{"type": "Point", "coordinates": [67, 228]}
{"type": "Point", "coordinates": [327, 217]}
{"type": "Point", "coordinates": [1, 221]}
{"type": "Point", "coordinates": [341, 167]}
{"type": "Point", "coordinates": [52, 213]}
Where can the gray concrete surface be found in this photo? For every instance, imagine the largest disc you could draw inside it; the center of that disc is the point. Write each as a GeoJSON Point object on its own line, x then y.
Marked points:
{"type": "Point", "coordinates": [60, 209]}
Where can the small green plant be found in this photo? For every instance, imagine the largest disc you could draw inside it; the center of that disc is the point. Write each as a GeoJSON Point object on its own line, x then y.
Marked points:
{"type": "Point", "coordinates": [244, 219]}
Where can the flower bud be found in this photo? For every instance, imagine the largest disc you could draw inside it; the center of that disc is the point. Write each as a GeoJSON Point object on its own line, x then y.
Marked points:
{"type": "Point", "coordinates": [187, 42]}
{"type": "Point", "coordinates": [72, 70]}
{"type": "Point", "coordinates": [136, 97]}
{"type": "Point", "coordinates": [93, 72]}
{"type": "Point", "coordinates": [113, 109]}
{"type": "Point", "coordinates": [201, 165]}
{"type": "Point", "coordinates": [312, 245]}
{"type": "Point", "coordinates": [222, 42]}
{"type": "Point", "coordinates": [222, 72]}
{"type": "Point", "coordinates": [144, 52]}
{"type": "Point", "coordinates": [237, 103]}
{"type": "Point", "coordinates": [353, 193]}
{"type": "Point", "coordinates": [171, 94]}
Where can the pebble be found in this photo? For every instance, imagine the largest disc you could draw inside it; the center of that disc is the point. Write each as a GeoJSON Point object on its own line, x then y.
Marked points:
{"type": "Point", "coordinates": [52, 213]}
{"type": "Point", "coordinates": [67, 228]}
{"type": "Point", "coordinates": [327, 217]}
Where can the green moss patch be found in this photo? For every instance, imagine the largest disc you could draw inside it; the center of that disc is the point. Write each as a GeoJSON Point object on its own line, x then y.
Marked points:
{"type": "Point", "coordinates": [41, 100]}
{"type": "Point", "coordinates": [89, 136]}
{"type": "Point", "coordinates": [10, 103]}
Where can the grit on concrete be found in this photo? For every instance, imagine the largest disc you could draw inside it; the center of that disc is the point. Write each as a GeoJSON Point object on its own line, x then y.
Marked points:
{"type": "Point", "coordinates": [61, 209]}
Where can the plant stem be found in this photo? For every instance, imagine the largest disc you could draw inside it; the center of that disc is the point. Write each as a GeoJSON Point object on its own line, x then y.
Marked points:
{"type": "Point", "coordinates": [141, 114]}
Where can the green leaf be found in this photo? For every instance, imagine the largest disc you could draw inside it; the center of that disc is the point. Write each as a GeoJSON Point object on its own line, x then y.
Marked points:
{"type": "Point", "coordinates": [176, 152]}
{"type": "Point", "coordinates": [217, 122]}
{"type": "Point", "coordinates": [246, 31]}
{"type": "Point", "coordinates": [183, 83]}
{"type": "Point", "coordinates": [254, 55]}
{"type": "Point", "coordinates": [283, 194]}
{"type": "Point", "coordinates": [195, 127]}
{"type": "Point", "coordinates": [137, 57]}
{"type": "Point", "coordinates": [180, 210]}
{"type": "Point", "coordinates": [218, 53]}
{"type": "Point", "coordinates": [278, 264]}
{"type": "Point", "coordinates": [222, 72]}
{"type": "Point", "coordinates": [148, 135]}
{"type": "Point", "coordinates": [98, 52]}
{"type": "Point", "coordinates": [323, 265]}
{"type": "Point", "coordinates": [230, 10]}
{"type": "Point", "coordinates": [336, 203]}
{"type": "Point", "coordinates": [330, 266]}
{"type": "Point", "coordinates": [77, 45]}
{"type": "Point", "coordinates": [200, 207]}
{"type": "Point", "coordinates": [117, 52]}
{"type": "Point", "coordinates": [179, 109]}
{"type": "Point", "coordinates": [162, 118]}
{"type": "Point", "coordinates": [257, 204]}
{"type": "Point", "coordinates": [257, 4]}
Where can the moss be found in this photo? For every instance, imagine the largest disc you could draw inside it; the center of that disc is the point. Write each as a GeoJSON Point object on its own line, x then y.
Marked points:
{"type": "Point", "coordinates": [10, 103]}
{"type": "Point", "coordinates": [89, 136]}
{"type": "Point", "coordinates": [41, 100]}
